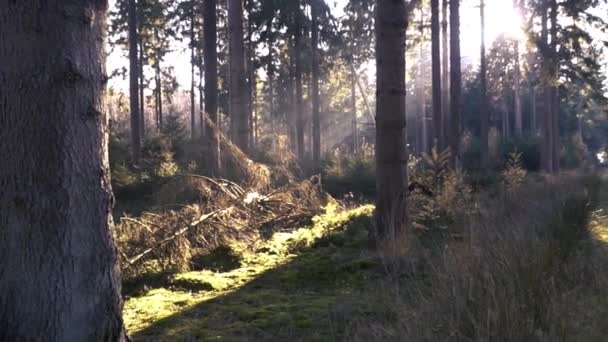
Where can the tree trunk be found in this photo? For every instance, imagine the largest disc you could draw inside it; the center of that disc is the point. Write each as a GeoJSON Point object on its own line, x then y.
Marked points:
{"type": "Point", "coordinates": [554, 89]}
{"type": "Point", "coordinates": [316, 120]}
{"type": "Point", "coordinates": [424, 137]}
{"type": "Point", "coordinates": [455, 81]}
{"type": "Point", "coordinates": [298, 80]}
{"type": "Point", "coordinates": [445, 83]}
{"type": "Point", "coordinates": [483, 110]}
{"type": "Point", "coordinates": [547, 130]}
{"type": "Point", "coordinates": [353, 103]}
{"type": "Point", "coordinates": [436, 72]}
{"type": "Point", "coordinates": [134, 82]}
{"type": "Point", "coordinates": [159, 87]}
{"type": "Point", "coordinates": [391, 152]}
{"type": "Point", "coordinates": [142, 99]}
{"type": "Point", "coordinates": [211, 91]}
{"type": "Point", "coordinates": [270, 76]}
{"type": "Point", "coordinates": [533, 109]}
{"type": "Point", "coordinates": [517, 93]}
{"type": "Point", "coordinates": [59, 275]}
{"type": "Point", "coordinates": [238, 78]}
{"type": "Point", "coordinates": [192, 81]}
{"type": "Point", "coordinates": [201, 96]}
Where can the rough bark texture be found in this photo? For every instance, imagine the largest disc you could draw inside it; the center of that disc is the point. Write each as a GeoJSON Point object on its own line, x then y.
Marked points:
{"type": "Point", "coordinates": [238, 78]}
{"type": "Point", "coordinates": [455, 81]}
{"type": "Point", "coordinates": [391, 152]}
{"type": "Point", "coordinates": [353, 103]}
{"type": "Point", "coordinates": [136, 129]}
{"type": "Point", "coordinates": [436, 72]}
{"type": "Point", "coordinates": [211, 91]}
{"type": "Point", "coordinates": [142, 109]}
{"type": "Point", "coordinates": [59, 279]}
{"type": "Point", "coordinates": [483, 110]}
{"type": "Point", "coordinates": [316, 120]}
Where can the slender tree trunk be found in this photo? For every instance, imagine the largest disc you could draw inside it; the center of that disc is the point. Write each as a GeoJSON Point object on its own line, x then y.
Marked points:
{"type": "Point", "coordinates": [251, 81]}
{"type": "Point", "coordinates": [445, 82]}
{"type": "Point", "coordinates": [547, 131]}
{"type": "Point", "coordinates": [555, 89]}
{"type": "Point", "coordinates": [517, 92]}
{"type": "Point", "coordinates": [134, 82]}
{"type": "Point", "coordinates": [483, 110]}
{"type": "Point", "coordinates": [270, 76]}
{"type": "Point", "coordinates": [238, 78]}
{"type": "Point", "coordinates": [201, 95]}
{"type": "Point", "coordinates": [192, 80]}
{"type": "Point", "coordinates": [436, 72]}
{"type": "Point", "coordinates": [353, 103]}
{"type": "Point", "coordinates": [424, 137]}
{"type": "Point", "coordinates": [142, 99]}
{"type": "Point", "coordinates": [391, 152]}
{"type": "Point", "coordinates": [158, 78]}
{"type": "Point", "coordinates": [211, 86]}
{"type": "Point", "coordinates": [298, 80]}
{"type": "Point", "coordinates": [59, 278]}
{"type": "Point", "coordinates": [455, 81]}
{"type": "Point", "coordinates": [533, 109]}
{"type": "Point", "coordinates": [316, 120]}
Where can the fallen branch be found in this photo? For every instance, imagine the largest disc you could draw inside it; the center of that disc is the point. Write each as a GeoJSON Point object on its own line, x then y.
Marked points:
{"type": "Point", "coordinates": [175, 235]}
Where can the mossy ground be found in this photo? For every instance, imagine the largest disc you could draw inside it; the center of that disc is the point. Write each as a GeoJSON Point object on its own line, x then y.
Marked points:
{"type": "Point", "coordinates": [284, 288]}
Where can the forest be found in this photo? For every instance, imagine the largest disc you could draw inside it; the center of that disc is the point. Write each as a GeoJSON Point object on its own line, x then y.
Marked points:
{"type": "Point", "coordinates": [303, 170]}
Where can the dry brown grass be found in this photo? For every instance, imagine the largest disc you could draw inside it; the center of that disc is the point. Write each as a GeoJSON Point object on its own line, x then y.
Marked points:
{"type": "Point", "coordinates": [503, 275]}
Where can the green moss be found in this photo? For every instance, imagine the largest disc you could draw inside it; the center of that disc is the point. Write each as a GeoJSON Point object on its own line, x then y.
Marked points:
{"type": "Point", "coordinates": [286, 286]}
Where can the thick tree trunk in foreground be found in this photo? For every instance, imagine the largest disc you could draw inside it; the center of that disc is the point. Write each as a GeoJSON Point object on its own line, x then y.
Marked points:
{"type": "Point", "coordinates": [391, 152]}
{"type": "Point", "coordinates": [316, 120]}
{"type": "Point", "coordinates": [455, 81]}
{"type": "Point", "coordinates": [59, 279]}
{"type": "Point", "coordinates": [238, 78]}
{"type": "Point", "coordinates": [436, 72]}
{"type": "Point", "coordinates": [211, 91]}
{"type": "Point", "coordinates": [136, 128]}
{"type": "Point", "coordinates": [483, 110]}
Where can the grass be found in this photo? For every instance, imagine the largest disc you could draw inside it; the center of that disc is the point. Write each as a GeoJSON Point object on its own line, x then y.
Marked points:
{"type": "Point", "coordinates": [284, 287]}
{"type": "Point", "coordinates": [531, 266]}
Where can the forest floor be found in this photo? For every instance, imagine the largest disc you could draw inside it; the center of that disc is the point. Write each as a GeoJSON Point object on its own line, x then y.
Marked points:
{"type": "Point", "coordinates": [303, 285]}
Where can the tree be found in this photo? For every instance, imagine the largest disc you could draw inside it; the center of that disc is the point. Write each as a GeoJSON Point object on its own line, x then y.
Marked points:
{"type": "Point", "coordinates": [445, 76]}
{"type": "Point", "coordinates": [484, 110]}
{"type": "Point", "coordinates": [238, 78]}
{"type": "Point", "coordinates": [391, 153]}
{"type": "Point", "coordinates": [211, 87]}
{"type": "Point", "coordinates": [455, 80]}
{"type": "Point", "coordinates": [297, 32]}
{"type": "Point", "coordinates": [134, 69]}
{"type": "Point", "coordinates": [60, 280]}
{"type": "Point", "coordinates": [436, 72]}
{"type": "Point", "coordinates": [316, 121]}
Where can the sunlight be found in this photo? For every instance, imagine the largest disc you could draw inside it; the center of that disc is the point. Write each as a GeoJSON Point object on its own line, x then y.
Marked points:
{"type": "Point", "coordinates": [502, 18]}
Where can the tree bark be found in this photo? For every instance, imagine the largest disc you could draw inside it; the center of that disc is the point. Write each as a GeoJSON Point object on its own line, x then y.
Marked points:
{"type": "Point", "coordinates": [316, 120]}
{"type": "Point", "coordinates": [554, 89]}
{"type": "Point", "coordinates": [445, 83]}
{"type": "Point", "coordinates": [391, 152]}
{"type": "Point", "coordinates": [547, 130]}
{"type": "Point", "coordinates": [517, 93]}
{"type": "Point", "coordinates": [436, 72]}
{"type": "Point", "coordinates": [134, 82]}
{"type": "Point", "coordinates": [211, 87]}
{"type": "Point", "coordinates": [353, 103]}
{"type": "Point", "coordinates": [159, 86]}
{"type": "Point", "coordinates": [455, 81]}
{"type": "Point", "coordinates": [483, 110]}
{"type": "Point", "coordinates": [142, 99]}
{"type": "Point", "coordinates": [58, 267]}
{"type": "Point", "coordinates": [298, 80]}
{"type": "Point", "coordinates": [238, 79]}
{"type": "Point", "coordinates": [192, 80]}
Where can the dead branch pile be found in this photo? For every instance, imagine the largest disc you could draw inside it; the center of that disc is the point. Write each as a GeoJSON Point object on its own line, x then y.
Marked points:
{"type": "Point", "coordinates": [219, 213]}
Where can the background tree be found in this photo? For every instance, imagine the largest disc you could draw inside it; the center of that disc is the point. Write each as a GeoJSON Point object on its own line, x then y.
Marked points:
{"type": "Point", "coordinates": [455, 80]}
{"type": "Point", "coordinates": [238, 77]}
{"type": "Point", "coordinates": [59, 274]}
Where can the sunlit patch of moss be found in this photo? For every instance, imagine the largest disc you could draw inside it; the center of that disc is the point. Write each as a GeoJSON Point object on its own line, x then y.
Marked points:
{"type": "Point", "coordinates": [285, 285]}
